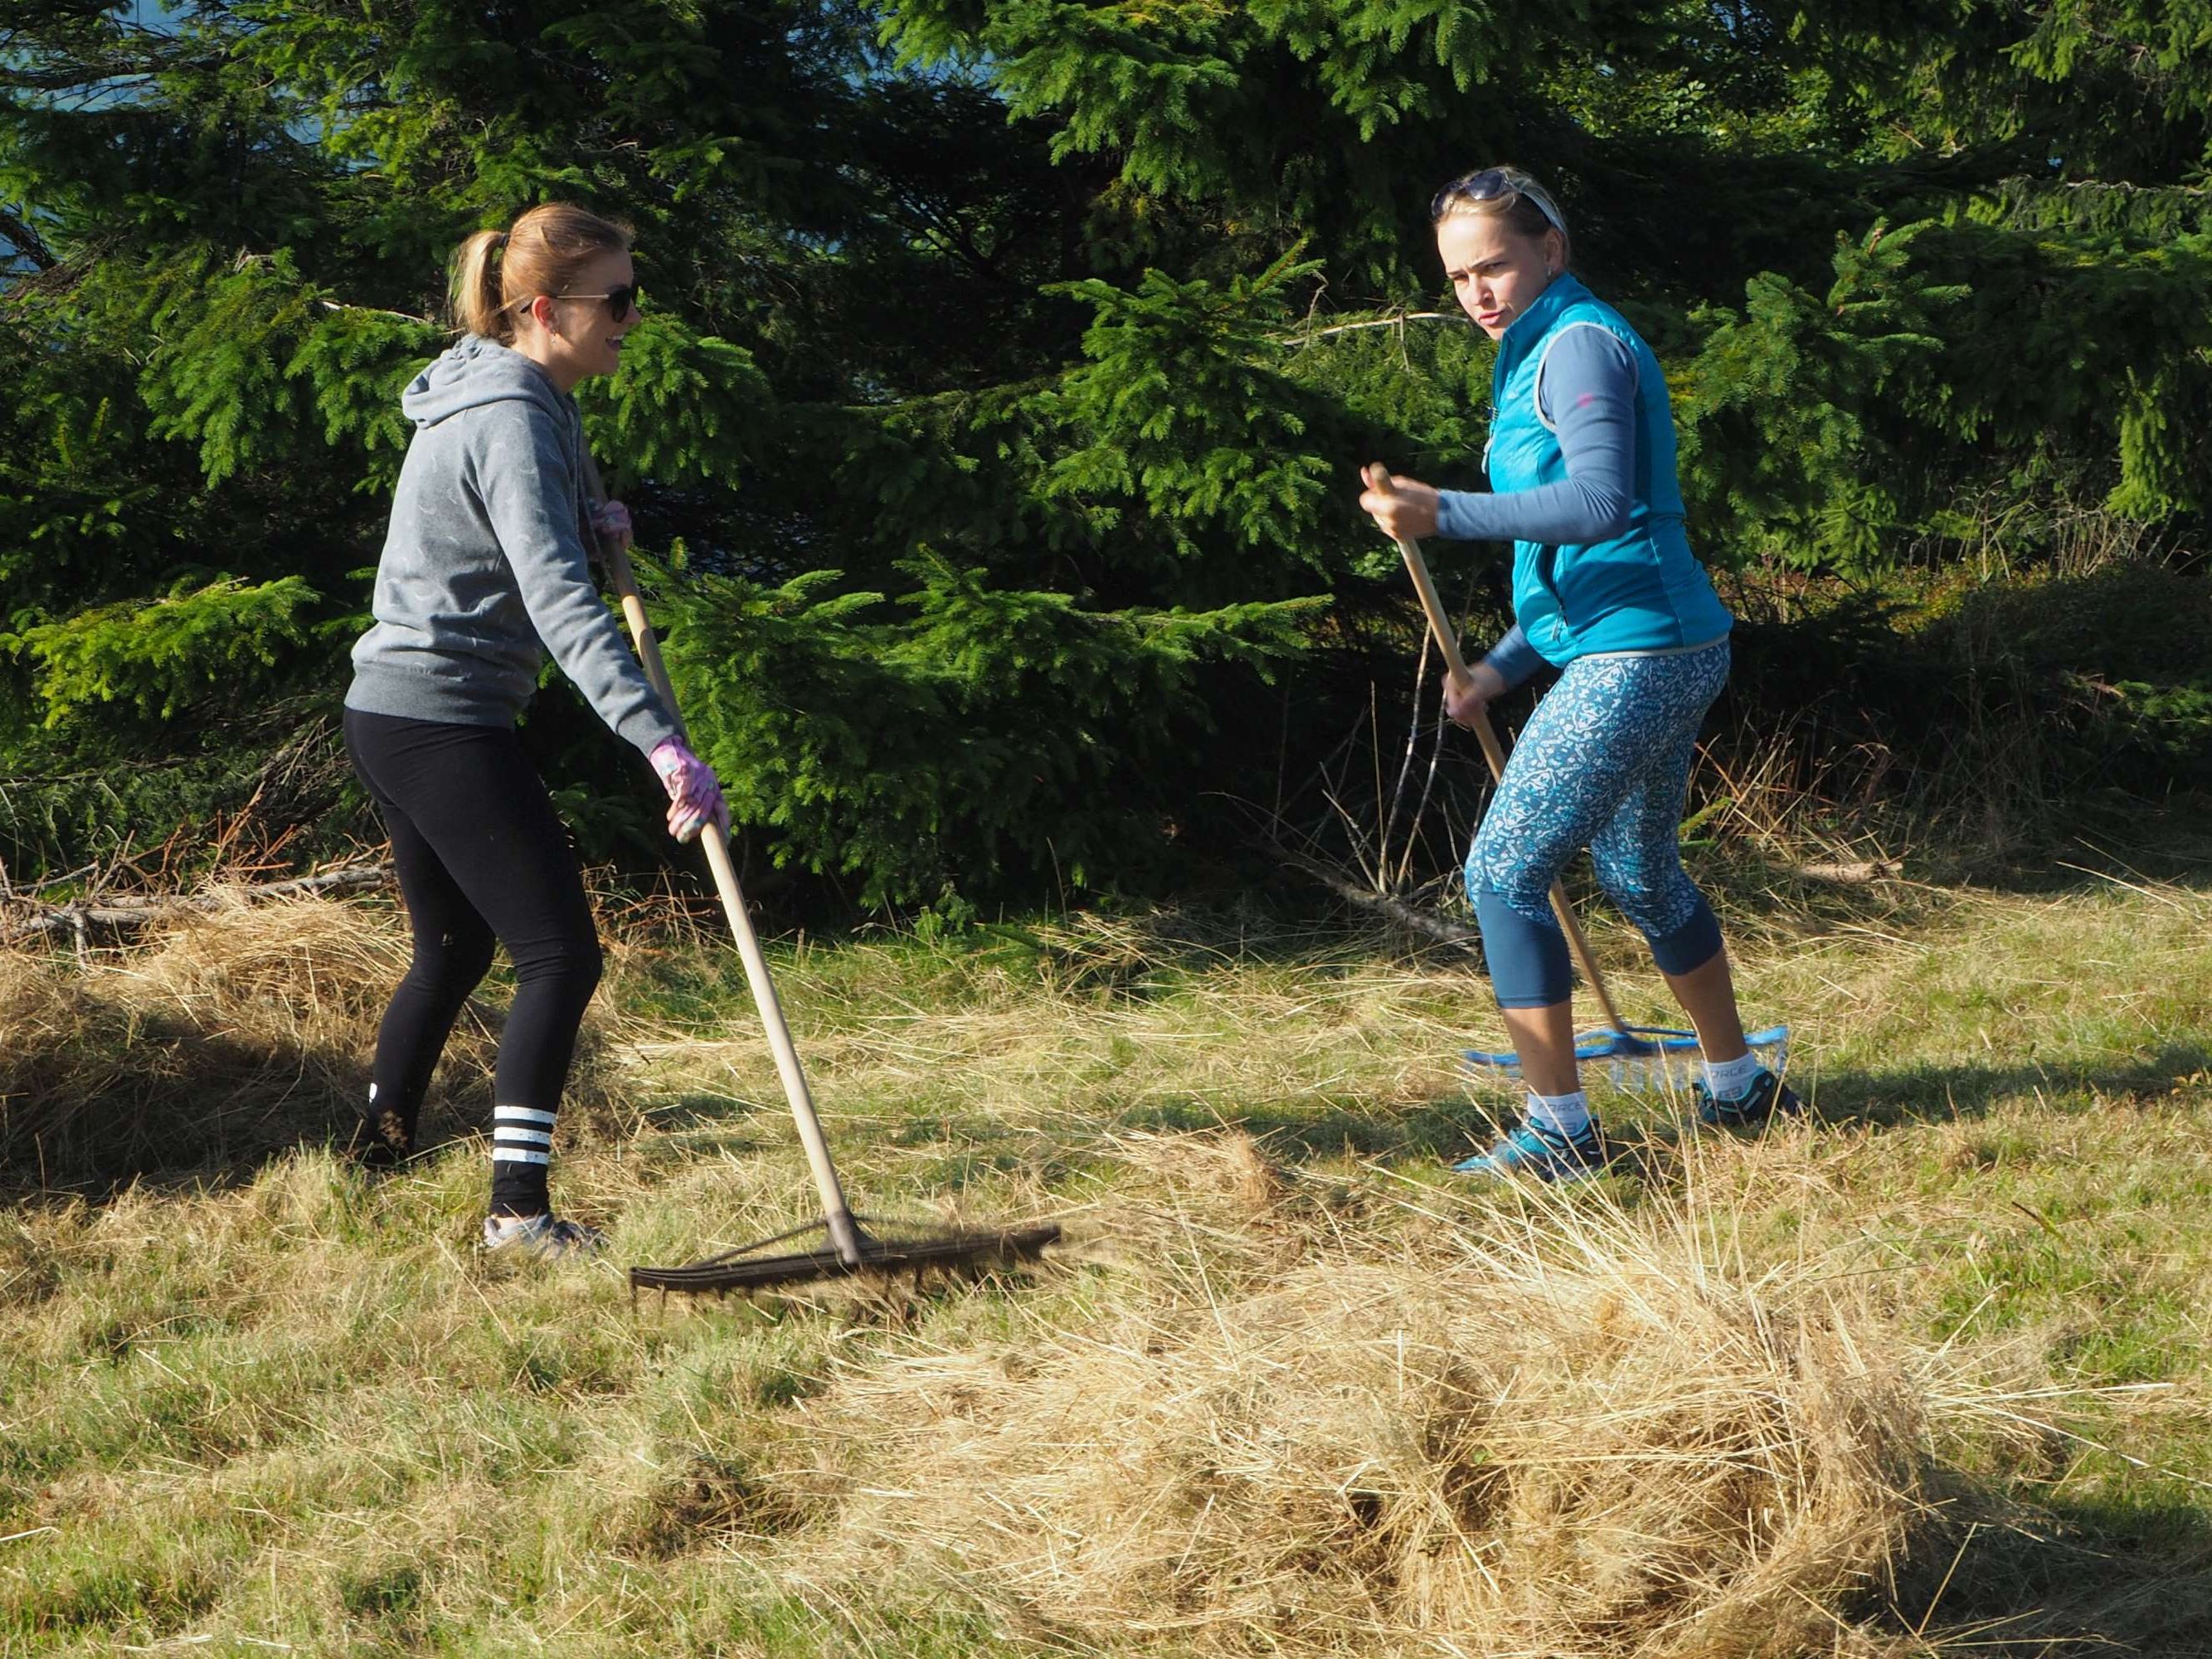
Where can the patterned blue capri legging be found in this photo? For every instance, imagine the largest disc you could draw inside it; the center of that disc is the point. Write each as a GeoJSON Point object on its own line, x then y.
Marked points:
{"type": "Point", "coordinates": [1603, 763]}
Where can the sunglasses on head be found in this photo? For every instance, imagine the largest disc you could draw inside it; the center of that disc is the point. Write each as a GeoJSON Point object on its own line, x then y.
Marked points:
{"type": "Point", "coordinates": [621, 301]}
{"type": "Point", "coordinates": [1487, 186]}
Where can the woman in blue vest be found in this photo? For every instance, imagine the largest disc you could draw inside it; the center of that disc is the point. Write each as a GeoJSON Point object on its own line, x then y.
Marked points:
{"type": "Point", "coordinates": [1605, 590]}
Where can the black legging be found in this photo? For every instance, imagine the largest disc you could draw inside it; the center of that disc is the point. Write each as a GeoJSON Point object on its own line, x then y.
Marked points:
{"type": "Point", "coordinates": [481, 855]}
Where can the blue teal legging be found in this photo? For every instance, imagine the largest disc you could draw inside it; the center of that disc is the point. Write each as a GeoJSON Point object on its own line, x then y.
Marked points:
{"type": "Point", "coordinates": [1603, 763]}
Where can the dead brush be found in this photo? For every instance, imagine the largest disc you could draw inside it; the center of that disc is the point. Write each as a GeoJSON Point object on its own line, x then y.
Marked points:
{"type": "Point", "coordinates": [1556, 1430]}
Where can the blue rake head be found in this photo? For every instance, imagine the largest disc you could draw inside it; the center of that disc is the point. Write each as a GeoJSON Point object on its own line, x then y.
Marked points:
{"type": "Point", "coordinates": [1639, 1057]}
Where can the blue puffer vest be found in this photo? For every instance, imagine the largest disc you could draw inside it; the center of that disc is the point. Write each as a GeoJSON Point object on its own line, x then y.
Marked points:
{"type": "Point", "coordinates": [1642, 591]}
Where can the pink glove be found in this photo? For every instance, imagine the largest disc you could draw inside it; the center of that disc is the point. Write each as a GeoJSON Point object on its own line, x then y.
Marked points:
{"type": "Point", "coordinates": [695, 793]}
{"type": "Point", "coordinates": [612, 521]}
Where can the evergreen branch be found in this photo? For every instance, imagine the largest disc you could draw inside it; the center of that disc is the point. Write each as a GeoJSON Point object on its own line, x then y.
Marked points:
{"type": "Point", "coordinates": [29, 243]}
{"type": "Point", "coordinates": [94, 74]}
{"type": "Point", "coordinates": [953, 236]}
{"type": "Point", "coordinates": [61, 275]}
{"type": "Point", "coordinates": [951, 398]}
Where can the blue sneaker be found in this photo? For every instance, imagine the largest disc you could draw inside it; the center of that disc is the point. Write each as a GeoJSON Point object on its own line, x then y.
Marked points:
{"type": "Point", "coordinates": [1532, 1150]}
{"type": "Point", "coordinates": [1768, 1098]}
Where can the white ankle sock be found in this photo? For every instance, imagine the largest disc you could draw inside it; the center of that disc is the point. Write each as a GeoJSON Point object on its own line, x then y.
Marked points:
{"type": "Point", "coordinates": [1563, 1115]}
{"type": "Point", "coordinates": [1728, 1079]}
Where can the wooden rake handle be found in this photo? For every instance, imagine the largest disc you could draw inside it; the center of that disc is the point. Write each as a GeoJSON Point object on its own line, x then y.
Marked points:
{"type": "Point", "coordinates": [845, 1236]}
{"type": "Point", "coordinates": [1379, 479]}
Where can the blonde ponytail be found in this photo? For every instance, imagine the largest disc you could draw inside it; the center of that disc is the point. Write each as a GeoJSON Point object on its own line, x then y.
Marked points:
{"type": "Point", "coordinates": [495, 271]}
{"type": "Point", "coordinates": [476, 287]}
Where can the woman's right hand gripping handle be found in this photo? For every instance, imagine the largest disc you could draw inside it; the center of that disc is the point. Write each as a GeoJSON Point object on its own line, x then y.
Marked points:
{"type": "Point", "coordinates": [1466, 701]}
{"type": "Point", "coordinates": [695, 793]}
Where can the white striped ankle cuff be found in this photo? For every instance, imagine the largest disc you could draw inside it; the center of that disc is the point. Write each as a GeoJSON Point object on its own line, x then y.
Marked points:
{"type": "Point", "coordinates": [521, 1134]}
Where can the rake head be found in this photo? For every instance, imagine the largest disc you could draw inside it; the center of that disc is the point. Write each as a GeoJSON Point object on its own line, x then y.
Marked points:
{"type": "Point", "coordinates": [746, 1270]}
{"type": "Point", "coordinates": [1638, 1058]}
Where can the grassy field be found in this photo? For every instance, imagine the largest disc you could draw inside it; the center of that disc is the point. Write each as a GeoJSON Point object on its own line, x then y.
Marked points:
{"type": "Point", "coordinates": [1927, 1374]}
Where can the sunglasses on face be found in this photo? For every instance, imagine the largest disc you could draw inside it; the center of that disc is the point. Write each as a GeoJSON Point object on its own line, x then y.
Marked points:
{"type": "Point", "coordinates": [622, 302]}
{"type": "Point", "coordinates": [1488, 185]}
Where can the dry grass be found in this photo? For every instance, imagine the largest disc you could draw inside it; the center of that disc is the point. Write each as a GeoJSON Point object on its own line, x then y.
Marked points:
{"type": "Point", "coordinates": [1560, 1430]}
{"type": "Point", "coordinates": [1292, 1389]}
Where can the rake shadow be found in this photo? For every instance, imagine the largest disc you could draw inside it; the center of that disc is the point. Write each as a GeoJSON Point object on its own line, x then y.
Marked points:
{"type": "Point", "coordinates": [1444, 1127]}
{"type": "Point", "coordinates": [960, 1152]}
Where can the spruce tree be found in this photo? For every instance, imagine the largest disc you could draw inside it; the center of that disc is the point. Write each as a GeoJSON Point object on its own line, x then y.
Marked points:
{"type": "Point", "coordinates": [992, 426]}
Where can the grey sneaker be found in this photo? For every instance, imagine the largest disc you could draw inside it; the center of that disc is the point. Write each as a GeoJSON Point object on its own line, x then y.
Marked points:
{"type": "Point", "coordinates": [540, 1238]}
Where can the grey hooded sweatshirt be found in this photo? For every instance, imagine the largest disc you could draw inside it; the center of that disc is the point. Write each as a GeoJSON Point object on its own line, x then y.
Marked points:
{"type": "Point", "coordinates": [485, 567]}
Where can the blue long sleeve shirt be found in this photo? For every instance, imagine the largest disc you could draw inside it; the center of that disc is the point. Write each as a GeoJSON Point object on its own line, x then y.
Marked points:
{"type": "Point", "coordinates": [1588, 395]}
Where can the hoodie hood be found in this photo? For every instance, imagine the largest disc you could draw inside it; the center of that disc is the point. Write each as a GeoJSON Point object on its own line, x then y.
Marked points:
{"type": "Point", "coordinates": [473, 372]}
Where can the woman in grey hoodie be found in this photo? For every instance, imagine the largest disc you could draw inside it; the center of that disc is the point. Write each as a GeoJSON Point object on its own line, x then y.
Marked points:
{"type": "Point", "coordinates": [484, 571]}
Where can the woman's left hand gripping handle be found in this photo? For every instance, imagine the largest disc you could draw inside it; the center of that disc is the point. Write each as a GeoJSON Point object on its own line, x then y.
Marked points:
{"type": "Point", "coordinates": [695, 793]}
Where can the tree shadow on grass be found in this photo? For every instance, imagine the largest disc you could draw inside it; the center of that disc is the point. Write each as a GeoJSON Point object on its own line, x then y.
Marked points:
{"type": "Point", "coordinates": [949, 1153]}
{"type": "Point", "coordinates": [197, 1109]}
{"type": "Point", "coordinates": [1651, 1145]}
{"type": "Point", "coordinates": [1159, 953]}
{"type": "Point", "coordinates": [2076, 1577]}
{"type": "Point", "coordinates": [705, 1127]}
{"type": "Point", "coordinates": [1451, 1125]}
{"type": "Point", "coordinates": [708, 1122]}
{"type": "Point", "coordinates": [955, 1150]}
{"type": "Point", "coordinates": [164, 1106]}
{"type": "Point", "coordinates": [1948, 1094]}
